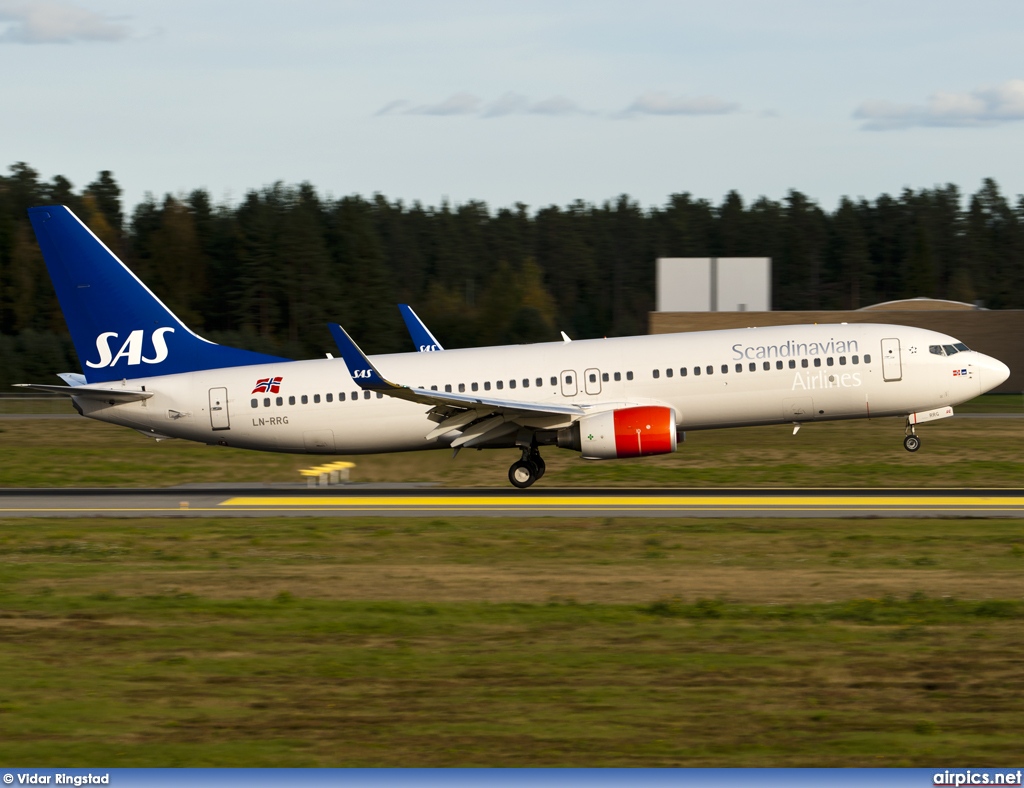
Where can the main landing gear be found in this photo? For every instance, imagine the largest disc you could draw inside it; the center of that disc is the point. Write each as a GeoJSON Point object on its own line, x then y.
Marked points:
{"type": "Point", "coordinates": [911, 442]}
{"type": "Point", "coordinates": [527, 470]}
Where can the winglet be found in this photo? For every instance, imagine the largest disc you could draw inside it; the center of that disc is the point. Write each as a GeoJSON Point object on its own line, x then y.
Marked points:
{"type": "Point", "coordinates": [421, 336]}
{"type": "Point", "coordinates": [359, 366]}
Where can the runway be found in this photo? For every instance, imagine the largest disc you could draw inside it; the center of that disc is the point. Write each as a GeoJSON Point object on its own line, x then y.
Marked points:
{"type": "Point", "coordinates": [362, 501]}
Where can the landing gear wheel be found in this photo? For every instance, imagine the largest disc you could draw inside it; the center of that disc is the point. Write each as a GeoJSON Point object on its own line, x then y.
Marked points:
{"type": "Point", "coordinates": [538, 463]}
{"type": "Point", "coordinates": [911, 443]}
{"type": "Point", "coordinates": [522, 474]}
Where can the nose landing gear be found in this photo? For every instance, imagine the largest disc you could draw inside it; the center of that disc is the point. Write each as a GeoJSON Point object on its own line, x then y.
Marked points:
{"type": "Point", "coordinates": [911, 442]}
{"type": "Point", "coordinates": [527, 470]}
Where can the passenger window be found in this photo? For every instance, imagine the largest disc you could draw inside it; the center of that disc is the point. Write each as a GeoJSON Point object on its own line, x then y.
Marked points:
{"type": "Point", "coordinates": [696, 370]}
{"type": "Point", "coordinates": [792, 363]}
{"type": "Point", "coordinates": [266, 402]}
{"type": "Point", "coordinates": [753, 367]}
{"type": "Point", "coordinates": [380, 395]}
{"type": "Point", "coordinates": [854, 359]}
{"type": "Point", "coordinates": [316, 399]}
{"type": "Point", "coordinates": [540, 382]}
{"type": "Point", "coordinates": [462, 387]}
{"type": "Point", "coordinates": [656, 374]}
{"type": "Point", "coordinates": [305, 399]}
{"type": "Point", "coordinates": [867, 358]}
{"type": "Point", "coordinates": [526, 383]}
{"type": "Point", "coordinates": [629, 375]}
{"type": "Point", "coordinates": [778, 365]}
{"type": "Point", "coordinates": [255, 403]}
{"type": "Point", "coordinates": [448, 387]}
{"type": "Point", "coordinates": [739, 367]}
{"type": "Point", "coordinates": [487, 385]}
{"type": "Point", "coordinates": [842, 361]}
{"type": "Point", "coordinates": [618, 376]}
{"type": "Point", "coordinates": [767, 365]}
{"type": "Point", "coordinates": [803, 363]}
{"type": "Point", "coordinates": [512, 384]}
{"type": "Point", "coordinates": [474, 386]}
{"type": "Point", "coordinates": [568, 379]}
{"type": "Point", "coordinates": [500, 384]}
{"type": "Point", "coordinates": [604, 377]}
{"type": "Point", "coordinates": [330, 397]}
{"type": "Point", "coordinates": [291, 400]}
{"type": "Point", "coordinates": [682, 372]}
{"type": "Point", "coordinates": [830, 361]}
{"type": "Point", "coordinates": [817, 361]}
{"type": "Point", "coordinates": [280, 401]}
{"type": "Point", "coordinates": [554, 381]}
{"type": "Point", "coordinates": [710, 370]}
{"type": "Point", "coordinates": [725, 369]}
{"type": "Point", "coordinates": [355, 395]}
{"type": "Point", "coordinates": [668, 372]}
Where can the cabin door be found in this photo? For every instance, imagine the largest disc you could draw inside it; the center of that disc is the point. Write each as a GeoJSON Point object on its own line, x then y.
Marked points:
{"type": "Point", "coordinates": [892, 367]}
{"type": "Point", "coordinates": [592, 381]}
{"type": "Point", "coordinates": [219, 409]}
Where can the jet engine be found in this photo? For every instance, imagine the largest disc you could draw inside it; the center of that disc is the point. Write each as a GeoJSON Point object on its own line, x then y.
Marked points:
{"type": "Point", "coordinates": [627, 432]}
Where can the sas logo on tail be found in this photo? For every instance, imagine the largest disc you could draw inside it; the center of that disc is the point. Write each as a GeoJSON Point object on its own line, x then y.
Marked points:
{"type": "Point", "coordinates": [131, 349]}
{"type": "Point", "coordinates": [959, 373]}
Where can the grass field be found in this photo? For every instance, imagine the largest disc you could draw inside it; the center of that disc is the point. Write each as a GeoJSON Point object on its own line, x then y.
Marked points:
{"type": "Point", "coordinates": [502, 642]}
{"type": "Point", "coordinates": [956, 452]}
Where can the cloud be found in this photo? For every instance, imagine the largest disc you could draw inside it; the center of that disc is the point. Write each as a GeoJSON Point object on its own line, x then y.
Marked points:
{"type": "Point", "coordinates": [986, 106]}
{"type": "Point", "coordinates": [55, 22]}
{"type": "Point", "coordinates": [468, 104]}
{"type": "Point", "coordinates": [664, 104]}
{"type": "Point", "coordinates": [456, 104]}
{"type": "Point", "coordinates": [556, 105]}
{"type": "Point", "coordinates": [516, 104]}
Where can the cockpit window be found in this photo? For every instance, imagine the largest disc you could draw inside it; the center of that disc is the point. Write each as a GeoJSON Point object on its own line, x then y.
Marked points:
{"type": "Point", "coordinates": [961, 347]}
{"type": "Point", "coordinates": [936, 350]}
{"type": "Point", "coordinates": [950, 350]}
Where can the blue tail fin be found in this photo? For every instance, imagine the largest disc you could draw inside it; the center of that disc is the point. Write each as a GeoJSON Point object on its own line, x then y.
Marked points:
{"type": "Point", "coordinates": [119, 328]}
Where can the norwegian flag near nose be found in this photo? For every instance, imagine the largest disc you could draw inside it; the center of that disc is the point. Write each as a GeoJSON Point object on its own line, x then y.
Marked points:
{"type": "Point", "coordinates": [268, 385]}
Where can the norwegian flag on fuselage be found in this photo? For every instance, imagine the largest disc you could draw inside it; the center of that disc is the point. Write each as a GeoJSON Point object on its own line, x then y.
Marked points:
{"type": "Point", "coordinates": [268, 385]}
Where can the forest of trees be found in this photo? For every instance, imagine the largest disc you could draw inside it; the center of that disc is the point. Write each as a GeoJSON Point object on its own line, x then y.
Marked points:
{"type": "Point", "coordinates": [270, 272]}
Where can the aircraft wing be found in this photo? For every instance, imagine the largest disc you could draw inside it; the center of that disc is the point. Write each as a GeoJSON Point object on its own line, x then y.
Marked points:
{"type": "Point", "coordinates": [118, 395]}
{"type": "Point", "coordinates": [479, 417]}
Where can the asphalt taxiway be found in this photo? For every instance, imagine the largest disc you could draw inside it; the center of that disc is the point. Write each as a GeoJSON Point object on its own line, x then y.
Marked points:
{"type": "Point", "coordinates": [391, 501]}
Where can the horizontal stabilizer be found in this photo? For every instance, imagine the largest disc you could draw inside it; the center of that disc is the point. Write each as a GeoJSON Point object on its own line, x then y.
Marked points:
{"type": "Point", "coordinates": [91, 392]}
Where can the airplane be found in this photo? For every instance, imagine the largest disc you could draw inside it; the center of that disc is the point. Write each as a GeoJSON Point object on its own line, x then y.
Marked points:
{"type": "Point", "coordinates": [603, 398]}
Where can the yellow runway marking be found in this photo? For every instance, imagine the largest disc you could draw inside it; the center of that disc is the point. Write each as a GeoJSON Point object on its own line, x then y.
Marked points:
{"type": "Point", "coordinates": [583, 503]}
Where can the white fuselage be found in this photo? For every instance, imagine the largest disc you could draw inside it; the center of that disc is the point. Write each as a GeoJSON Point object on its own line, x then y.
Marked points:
{"type": "Point", "coordinates": [746, 377]}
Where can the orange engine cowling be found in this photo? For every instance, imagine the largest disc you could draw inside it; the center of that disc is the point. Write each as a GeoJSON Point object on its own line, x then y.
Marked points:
{"type": "Point", "coordinates": [629, 432]}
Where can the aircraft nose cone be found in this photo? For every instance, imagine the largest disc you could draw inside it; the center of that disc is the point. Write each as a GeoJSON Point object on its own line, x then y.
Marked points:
{"type": "Point", "coordinates": [993, 372]}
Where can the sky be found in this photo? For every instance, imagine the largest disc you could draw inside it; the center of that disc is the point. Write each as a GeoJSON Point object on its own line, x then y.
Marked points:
{"type": "Point", "coordinates": [541, 103]}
